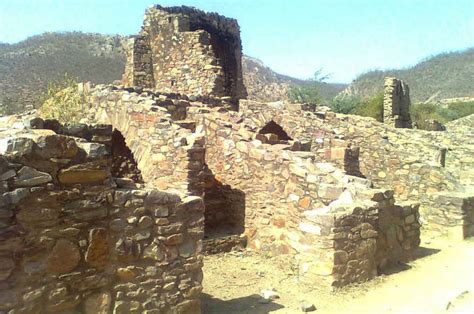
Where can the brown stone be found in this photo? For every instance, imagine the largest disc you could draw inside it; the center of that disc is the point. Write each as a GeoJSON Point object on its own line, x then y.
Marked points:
{"type": "Point", "coordinates": [126, 274]}
{"type": "Point", "coordinates": [97, 253]}
{"type": "Point", "coordinates": [77, 175]}
{"type": "Point", "coordinates": [64, 257]}
{"type": "Point", "coordinates": [7, 265]}
{"type": "Point", "coordinates": [98, 303]}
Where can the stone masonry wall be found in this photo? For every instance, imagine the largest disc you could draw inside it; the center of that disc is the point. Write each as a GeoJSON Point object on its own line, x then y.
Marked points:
{"type": "Point", "coordinates": [453, 215]}
{"type": "Point", "coordinates": [354, 239]}
{"type": "Point", "coordinates": [404, 160]}
{"type": "Point", "coordinates": [168, 152]}
{"type": "Point", "coordinates": [396, 103]}
{"type": "Point", "coordinates": [188, 51]}
{"type": "Point", "coordinates": [71, 240]}
{"type": "Point", "coordinates": [281, 188]}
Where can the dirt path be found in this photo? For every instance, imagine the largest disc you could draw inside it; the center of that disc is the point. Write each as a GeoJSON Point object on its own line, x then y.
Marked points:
{"type": "Point", "coordinates": [444, 275]}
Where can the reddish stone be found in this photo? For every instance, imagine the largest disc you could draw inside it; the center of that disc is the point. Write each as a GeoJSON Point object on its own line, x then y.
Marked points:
{"type": "Point", "coordinates": [64, 257]}
{"type": "Point", "coordinates": [304, 202]}
{"type": "Point", "coordinates": [97, 254]}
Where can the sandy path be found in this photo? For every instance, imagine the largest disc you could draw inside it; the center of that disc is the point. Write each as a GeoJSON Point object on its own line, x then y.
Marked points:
{"type": "Point", "coordinates": [232, 284]}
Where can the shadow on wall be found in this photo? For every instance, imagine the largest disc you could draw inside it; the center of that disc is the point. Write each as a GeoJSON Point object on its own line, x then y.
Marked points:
{"type": "Point", "coordinates": [249, 304]}
{"type": "Point", "coordinates": [124, 164]}
{"type": "Point", "coordinates": [225, 49]}
{"type": "Point", "coordinates": [224, 208]}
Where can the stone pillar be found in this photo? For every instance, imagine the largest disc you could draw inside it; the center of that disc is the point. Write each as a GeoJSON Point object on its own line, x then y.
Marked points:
{"type": "Point", "coordinates": [396, 103]}
{"type": "Point", "coordinates": [441, 157]}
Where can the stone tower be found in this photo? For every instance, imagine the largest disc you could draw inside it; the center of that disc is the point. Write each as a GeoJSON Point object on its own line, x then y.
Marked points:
{"type": "Point", "coordinates": [188, 51]}
{"type": "Point", "coordinates": [396, 103]}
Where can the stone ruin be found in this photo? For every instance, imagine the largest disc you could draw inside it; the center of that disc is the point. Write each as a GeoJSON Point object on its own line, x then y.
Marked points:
{"type": "Point", "coordinates": [188, 51]}
{"type": "Point", "coordinates": [115, 214]}
{"type": "Point", "coordinates": [396, 103]}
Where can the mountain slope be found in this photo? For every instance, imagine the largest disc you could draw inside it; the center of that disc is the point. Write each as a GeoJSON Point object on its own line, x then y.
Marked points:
{"type": "Point", "coordinates": [447, 75]}
{"type": "Point", "coordinates": [28, 66]}
{"type": "Point", "coordinates": [263, 84]}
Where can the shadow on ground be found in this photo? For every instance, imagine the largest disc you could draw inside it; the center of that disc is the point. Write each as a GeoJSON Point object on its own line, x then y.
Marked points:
{"type": "Point", "coordinates": [249, 304]}
{"type": "Point", "coordinates": [400, 266]}
{"type": "Point", "coordinates": [425, 251]}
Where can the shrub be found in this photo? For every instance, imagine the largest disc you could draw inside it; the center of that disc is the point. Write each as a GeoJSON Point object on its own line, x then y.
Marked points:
{"type": "Point", "coordinates": [423, 112]}
{"type": "Point", "coordinates": [307, 93]}
{"type": "Point", "coordinates": [371, 108]}
{"type": "Point", "coordinates": [62, 101]}
{"type": "Point", "coordinates": [345, 104]}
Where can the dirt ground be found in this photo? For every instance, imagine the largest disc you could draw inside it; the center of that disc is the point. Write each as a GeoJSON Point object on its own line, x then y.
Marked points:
{"type": "Point", "coordinates": [441, 280]}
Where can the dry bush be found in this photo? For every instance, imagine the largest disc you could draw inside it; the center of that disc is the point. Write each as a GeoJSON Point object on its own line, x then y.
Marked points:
{"type": "Point", "coordinates": [63, 102]}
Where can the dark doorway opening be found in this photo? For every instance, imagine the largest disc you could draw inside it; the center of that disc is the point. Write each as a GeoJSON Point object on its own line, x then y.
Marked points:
{"type": "Point", "coordinates": [273, 128]}
{"type": "Point", "coordinates": [272, 133]}
{"type": "Point", "coordinates": [224, 216]}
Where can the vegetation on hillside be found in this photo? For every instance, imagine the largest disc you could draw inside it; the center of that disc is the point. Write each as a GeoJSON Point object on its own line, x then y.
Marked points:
{"type": "Point", "coordinates": [421, 113]}
{"type": "Point", "coordinates": [264, 84]}
{"type": "Point", "coordinates": [314, 90]}
{"type": "Point", "coordinates": [447, 75]}
{"type": "Point", "coordinates": [28, 66]}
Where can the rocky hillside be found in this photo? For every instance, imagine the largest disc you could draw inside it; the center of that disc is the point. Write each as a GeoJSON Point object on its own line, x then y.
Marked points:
{"type": "Point", "coordinates": [28, 66]}
{"type": "Point", "coordinates": [264, 84]}
{"type": "Point", "coordinates": [447, 75]}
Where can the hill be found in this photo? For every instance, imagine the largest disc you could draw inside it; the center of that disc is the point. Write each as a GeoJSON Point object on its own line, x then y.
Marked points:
{"type": "Point", "coordinates": [28, 66]}
{"type": "Point", "coordinates": [446, 75]}
{"type": "Point", "coordinates": [264, 84]}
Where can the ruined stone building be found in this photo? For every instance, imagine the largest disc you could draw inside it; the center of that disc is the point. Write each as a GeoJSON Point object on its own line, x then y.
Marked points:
{"type": "Point", "coordinates": [396, 103]}
{"type": "Point", "coordinates": [116, 213]}
{"type": "Point", "coordinates": [184, 50]}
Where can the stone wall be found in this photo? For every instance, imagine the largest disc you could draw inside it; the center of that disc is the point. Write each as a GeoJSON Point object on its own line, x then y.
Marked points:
{"type": "Point", "coordinates": [283, 199]}
{"type": "Point", "coordinates": [453, 214]}
{"type": "Point", "coordinates": [354, 239]}
{"type": "Point", "coordinates": [396, 103]}
{"type": "Point", "coordinates": [72, 239]}
{"type": "Point", "coordinates": [185, 50]}
{"type": "Point", "coordinates": [405, 160]}
{"type": "Point", "coordinates": [167, 150]}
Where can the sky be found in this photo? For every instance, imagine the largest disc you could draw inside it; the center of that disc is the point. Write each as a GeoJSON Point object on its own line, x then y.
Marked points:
{"type": "Point", "coordinates": [343, 38]}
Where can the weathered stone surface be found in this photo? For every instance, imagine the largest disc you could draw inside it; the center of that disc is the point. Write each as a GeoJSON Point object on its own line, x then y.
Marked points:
{"type": "Point", "coordinates": [98, 303]}
{"type": "Point", "coordinates": [97, 253]}
{"type": "Point", "coordinates": [7, 265]}
{"type": "Point", "coordinates": [77, 174]}
{"type": "Point", "coordinates": [64, 257]}
{"type": "Point", "coordinates": [28, 176]}
{"type": "Point", "coordinates": [40, 216]}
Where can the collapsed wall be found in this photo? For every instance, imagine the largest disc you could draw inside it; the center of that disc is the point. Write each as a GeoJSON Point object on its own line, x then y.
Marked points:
{"type": "Point", "coordinates": [74, 238]}
{"type": "Point", "coordinates": [185, 50]}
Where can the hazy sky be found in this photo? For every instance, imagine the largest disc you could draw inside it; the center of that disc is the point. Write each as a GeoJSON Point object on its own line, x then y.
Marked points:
{"type": "Point", "coordinates": [295, 37]}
